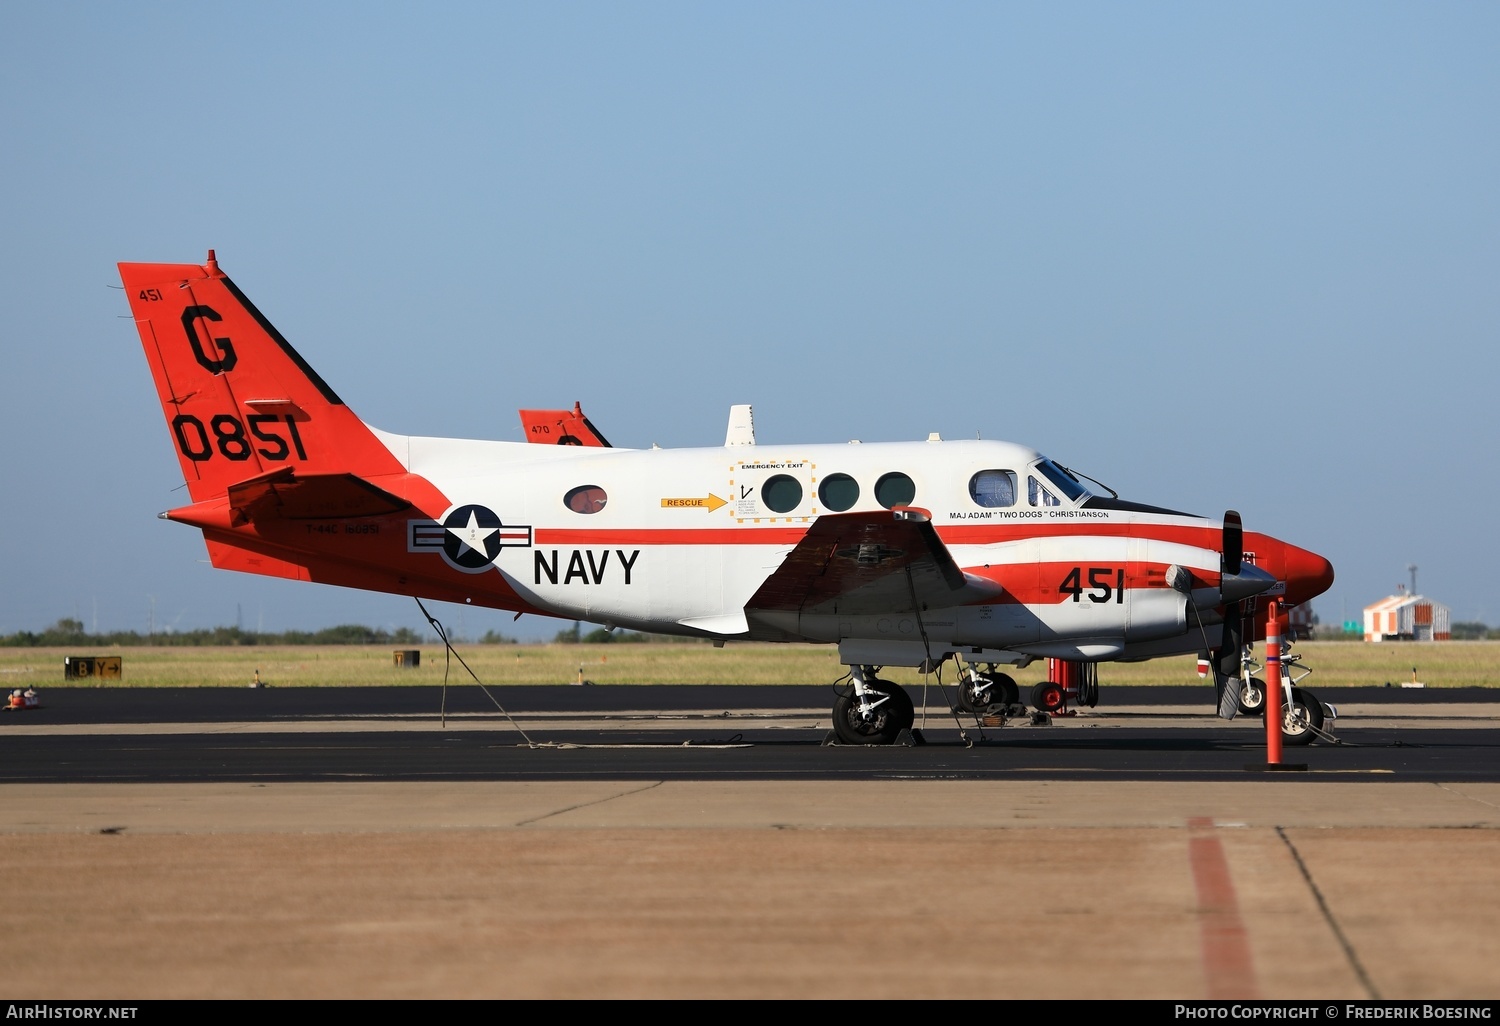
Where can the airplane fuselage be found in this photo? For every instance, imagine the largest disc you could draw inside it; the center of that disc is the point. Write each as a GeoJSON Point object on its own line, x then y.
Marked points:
{"type": "Point", "coordinates": [681, 540]}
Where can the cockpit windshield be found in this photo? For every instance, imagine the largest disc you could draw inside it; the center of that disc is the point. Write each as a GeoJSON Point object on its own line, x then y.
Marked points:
{"type": "Point", "coordinates": [1065, 482]}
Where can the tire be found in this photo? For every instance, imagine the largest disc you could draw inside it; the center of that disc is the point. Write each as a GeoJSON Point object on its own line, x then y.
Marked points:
{"type": "Point", "coordinates": [1047, 696]}
{"type": "Point", "coordinates": [1009, 694]}
{"type": "Point", "coordinates": [1302, 722]}
{"type": "Point", "coordinates": [1252, 696]}
{"type": "Point", "coordinates": [1001, 693]}
{"type": "Point", "coordinates": [976, 693]}
{"type": "Point", "coordinates": [886, 722]}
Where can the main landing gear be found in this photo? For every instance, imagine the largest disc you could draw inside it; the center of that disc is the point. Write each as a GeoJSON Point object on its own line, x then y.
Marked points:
{"type": "Point", "coordinates": [986, 692]}
{"type": "Point", "coordinates": [871, 711]}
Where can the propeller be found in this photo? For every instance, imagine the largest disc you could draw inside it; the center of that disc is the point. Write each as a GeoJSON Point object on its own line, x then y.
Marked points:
{"type": "Point", "coordinates": [1234, 544]}
{"type": "Point", "coordinates": [1238, 579]}
{"type": "Point", "coordinates": [1228, 658]}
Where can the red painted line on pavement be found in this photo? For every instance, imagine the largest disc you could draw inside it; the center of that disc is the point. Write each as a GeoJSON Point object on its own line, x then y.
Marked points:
{"type": "Point", "coordinates": [1227, 964]}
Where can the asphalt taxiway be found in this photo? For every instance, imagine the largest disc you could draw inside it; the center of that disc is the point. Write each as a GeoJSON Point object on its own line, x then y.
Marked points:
{"type": "Point", "coordinates": [705, 842]}
{"type": "Point", "coordinates": [704, 733]}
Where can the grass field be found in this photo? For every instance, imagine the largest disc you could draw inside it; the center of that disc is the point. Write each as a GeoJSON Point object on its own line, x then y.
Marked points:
{"type": "Point", "coordinates": [1335, 664]}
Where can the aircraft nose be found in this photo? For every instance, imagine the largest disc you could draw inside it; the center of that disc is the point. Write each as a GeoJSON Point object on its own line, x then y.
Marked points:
{"type": "Point", "coordinates": [1308, 574]}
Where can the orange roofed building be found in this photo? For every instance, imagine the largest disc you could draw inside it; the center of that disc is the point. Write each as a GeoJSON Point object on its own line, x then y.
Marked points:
{"type": "Point", "coordinates": [1406, 618]}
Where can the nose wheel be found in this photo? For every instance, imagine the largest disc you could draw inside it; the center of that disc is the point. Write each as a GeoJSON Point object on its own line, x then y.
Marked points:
{"type": "Point", "coordinates": [1302, 721]}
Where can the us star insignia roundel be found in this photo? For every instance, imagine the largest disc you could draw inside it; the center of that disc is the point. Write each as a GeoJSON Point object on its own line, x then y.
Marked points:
{"type": "Point", "coordinates": [469, 536]}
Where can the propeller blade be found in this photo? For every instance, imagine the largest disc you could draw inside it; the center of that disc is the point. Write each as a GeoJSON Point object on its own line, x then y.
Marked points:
{"type": "Point", "coordinates": [1228, 660]}
{"type": "Point", "coordinates": [1234, 543]}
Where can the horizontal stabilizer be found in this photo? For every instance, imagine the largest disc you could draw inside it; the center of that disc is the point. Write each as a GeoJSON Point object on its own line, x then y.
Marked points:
{"type": "Point", "coordinates": [284, 494]}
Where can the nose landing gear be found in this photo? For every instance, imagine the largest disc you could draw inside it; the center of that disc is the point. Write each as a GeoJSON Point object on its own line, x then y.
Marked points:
{"type": "Point", "coordinates": [1303, 716]}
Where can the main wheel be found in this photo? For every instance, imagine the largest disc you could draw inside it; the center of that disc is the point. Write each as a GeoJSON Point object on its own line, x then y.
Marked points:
{"type": "Point", "coordinates": [976, 692]}
{"type": "Point", "coordinates": [1302, 721]}
{"type": "Point", "coordinates": [1005, 691]}
{"type": "Point", "coordinates": [982, 692]}
{"type": "Point", "coordinates": [882, 724]}
{"type": "Point", "coordinates": [1252, 696]}
{"type": "Point", "coordinates": [1047, 696]}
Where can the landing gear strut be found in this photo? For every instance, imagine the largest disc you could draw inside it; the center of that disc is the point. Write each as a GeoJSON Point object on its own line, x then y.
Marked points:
{"type": "Point", "coordinates": [1303, 716]}
{"type": "Point", "coordinates": [986, 692]}
{"type": "Point", "coordinates": [1250, 690]}
{"type": "Point", "coordinates": [871, 711]}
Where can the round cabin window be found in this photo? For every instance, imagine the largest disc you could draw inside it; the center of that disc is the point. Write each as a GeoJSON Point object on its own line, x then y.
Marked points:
{"type": "Point", "coordinates": [895, 489]}
{"type": "Point", "coordinates": [838, 492]}
{"type": "Point", "coordinates": [781, 493]}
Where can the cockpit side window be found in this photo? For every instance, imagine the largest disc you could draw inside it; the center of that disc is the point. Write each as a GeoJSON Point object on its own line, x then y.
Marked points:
{"type": "Point", "coordinates": [993, 488]}
{"type": "Point", "coordinates": [1039, 495]}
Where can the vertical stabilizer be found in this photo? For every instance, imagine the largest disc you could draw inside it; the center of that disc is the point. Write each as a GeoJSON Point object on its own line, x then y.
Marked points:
{"type": "Point", "coordinates": [238, 399]}
{"type": "Point", "coordinates": [561, 427]}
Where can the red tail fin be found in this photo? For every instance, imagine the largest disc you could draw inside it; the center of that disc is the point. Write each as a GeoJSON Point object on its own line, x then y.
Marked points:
{"type": "Point", "coordinates": [239, 400]}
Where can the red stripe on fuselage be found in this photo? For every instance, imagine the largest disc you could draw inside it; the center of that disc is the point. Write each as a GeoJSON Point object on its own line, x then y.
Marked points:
{"type": "Point", "coordinates": [671, 536]}
{"type": "Point", "coordinates": [994, 534]}
{"type": "Point", "coordinates": [986, 534]}
{"type": "Point", "coordinates": [1038, 584]}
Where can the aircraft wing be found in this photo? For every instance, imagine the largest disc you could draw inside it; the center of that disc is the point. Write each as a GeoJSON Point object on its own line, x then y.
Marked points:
{"type": "Point", "coordinates": [863, 563]}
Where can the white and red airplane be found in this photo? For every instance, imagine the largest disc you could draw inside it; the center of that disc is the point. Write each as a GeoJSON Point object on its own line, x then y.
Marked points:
{"type": "Point", "coordinates": [900, 553]}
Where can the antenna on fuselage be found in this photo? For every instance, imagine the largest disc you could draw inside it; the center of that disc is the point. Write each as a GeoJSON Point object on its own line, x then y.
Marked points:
{"type": "Point", "coordinates": [741, 429]}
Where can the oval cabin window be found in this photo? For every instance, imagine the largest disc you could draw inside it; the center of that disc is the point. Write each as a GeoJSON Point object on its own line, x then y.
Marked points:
{"type": "Point", "coordinates": [586, 499]}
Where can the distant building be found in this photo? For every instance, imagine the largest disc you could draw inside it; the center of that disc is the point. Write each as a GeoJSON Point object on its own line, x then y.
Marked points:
{"type": "Point", "coordinates": [1302, 620]}
{"type": "Point", "coordinates": [1406, 617]}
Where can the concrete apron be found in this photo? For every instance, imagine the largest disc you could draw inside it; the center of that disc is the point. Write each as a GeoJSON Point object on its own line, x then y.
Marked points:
{"type": "Point", "coordinates": [1263, 888]}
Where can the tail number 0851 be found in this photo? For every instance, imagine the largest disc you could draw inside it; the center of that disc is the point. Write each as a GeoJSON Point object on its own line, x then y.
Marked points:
{"type": "Point", "coordinates": [226, 434]}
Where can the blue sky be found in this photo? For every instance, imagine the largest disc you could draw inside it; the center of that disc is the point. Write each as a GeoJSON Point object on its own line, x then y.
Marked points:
{"type": "Point", "coordinates": [1216, 256]}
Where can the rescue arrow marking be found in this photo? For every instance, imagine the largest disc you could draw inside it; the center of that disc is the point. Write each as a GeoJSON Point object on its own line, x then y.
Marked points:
{"type": "Point", "coordinates": [710, 502]}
